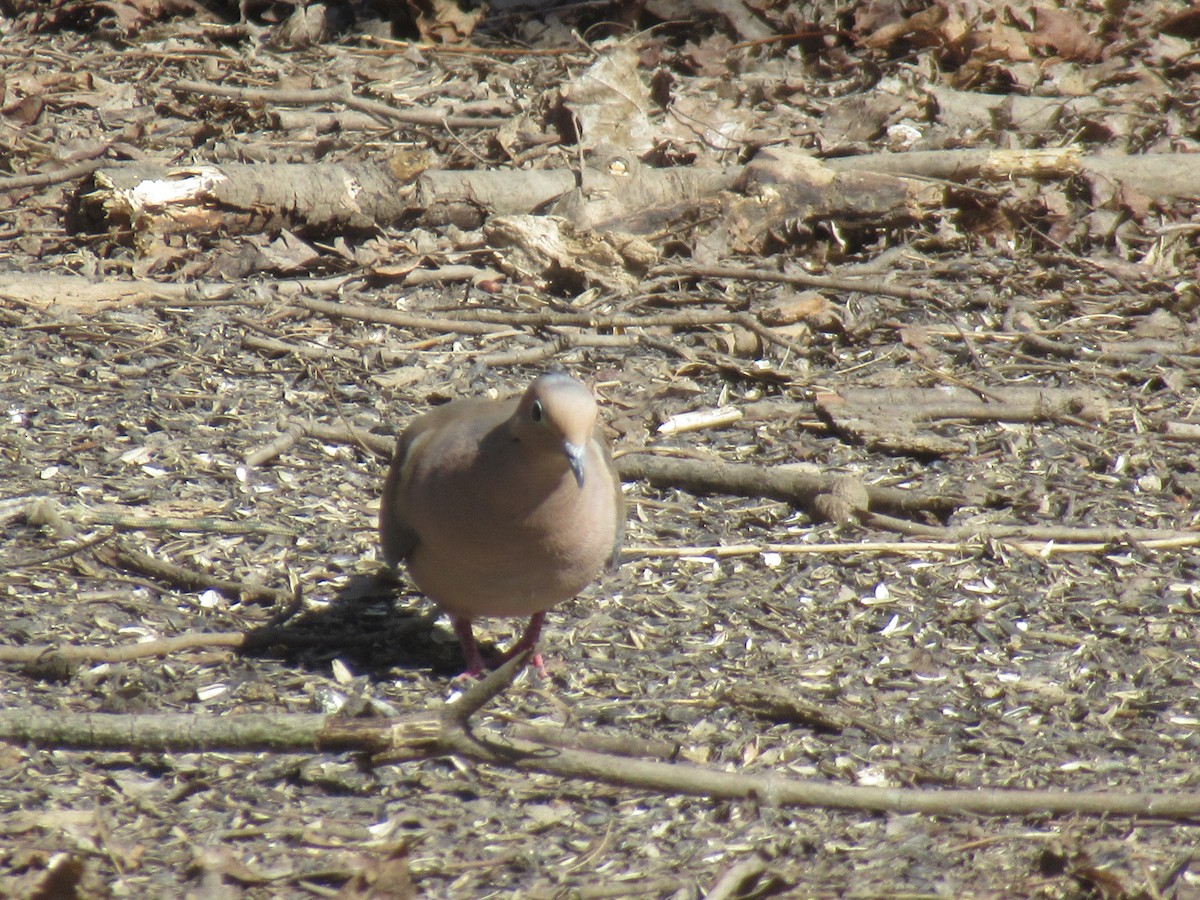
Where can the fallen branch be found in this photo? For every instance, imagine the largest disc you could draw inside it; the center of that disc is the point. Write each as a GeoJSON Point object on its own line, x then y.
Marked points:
{"type": "Point", "coordinates": [801, 279]}
{"type": "Point", "coordinates": [151, 201]}
{"type": "Point", "coordinates": [447, 732]}
{"type": "Point", "coordinates": [360, 313]}
{"type": "Point", "coordinates": [777, 482]}
{"type": "Point", "coordinates": [485, 321]}
{"type": "Point", "coordinates": [738, 881]}
{"type": "Point", "coordinates": [381, 445]}
{"type": "Point", "coordinates": [895, 419]}
{"type": "Point", "coordinates": [1159, 176]}
{"type": "Point", "coordinates": [120, 556]}
{"type": "Point", "coordinates": [45, 511]}
{"type": "Point", "coordinates": [51, 656]}
{"type": "Point", "coordinates": [86, 297]}
{"type": "Point", "coordinates": [518, 357]}
{"type": "Point", "coordinates": [63, 657]}
{"type": "Point", "coordinates": [55, 176]}
{"type": "Point", "coordinates": [343, 94]}
{"type": "Point", "coordinates": [40, 509]}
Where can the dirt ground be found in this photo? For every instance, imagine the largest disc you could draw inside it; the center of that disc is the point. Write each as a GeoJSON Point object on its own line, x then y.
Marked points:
{"type": "Point", "coordinates": [1060, 653]}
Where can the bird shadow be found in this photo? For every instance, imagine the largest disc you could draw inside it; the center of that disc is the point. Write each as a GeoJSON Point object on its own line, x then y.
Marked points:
{"type": "Point", "coordinates": [361, 626]}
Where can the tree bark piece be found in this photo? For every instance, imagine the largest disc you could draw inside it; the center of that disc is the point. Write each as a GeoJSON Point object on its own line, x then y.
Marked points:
{"type": "Point", "coordinates": [155, 200]}
{"type": "Point", "coordinates": [775, 482]}
{"type": "Point", "coordinates": [779, 191]}
{"type": "Point", "coordinates": [890, 419]}
{"type": "Point", "coordinates": [1158, 176]}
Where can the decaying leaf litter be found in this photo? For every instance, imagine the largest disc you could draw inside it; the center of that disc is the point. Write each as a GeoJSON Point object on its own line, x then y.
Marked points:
{"type": "Point", "coordinates": [1006, 192]}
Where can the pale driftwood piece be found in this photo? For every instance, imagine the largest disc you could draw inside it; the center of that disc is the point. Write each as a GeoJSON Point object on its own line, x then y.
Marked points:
{"type": "Point", "coordinates": [701, 419]}
{"type": "Point", "coordinates": [615, 744]}
{"type": "Point", "coordinates": [446, 274]}
{"type": "Point", "coordinates": [779, 189]}
{"type": "Point", "coordinates": [1183, 351]}
{"type": "Point", "coordinates": [117, 555]}
{"type": "Point", "coordinates": [278, 347]}
{"type": "Point", "coordinates": [448, 732]}
{"type": "Point", "coordinates": [783, 189]}
{"type": "Point", "coordinates": [61, 657]}
{"type": "Point", "coordinates": [1044, 539]}
{"type": "Point", "coordinates": [86, 297]}
{"type": "Point", "coordinates": [963, 165]}
{"type": "Point", "coordinates": [890, 419]}
{"type": "Point", "coordinates": [1159, 176]}
{"type": "Point", "coordinates": [322, 122]}
{"type": "Point", "coordinates": [236, 198]}
{"type": "Point", "coordinates": [126, 558]}
{"type": "Point", "coordinates": [543, 249]}
{"type": "Point", "coordinates": [1181, 431]}
{"type": "Point", "coordinates": [617, 194]}
{"type": "Point", "coordinates": [284, 442]}
{"type": "Point", "coordinates": [467, 198]}
{"type": "Point", "coordinates": [44, 510]}
{"type": "Point", "coordinates": [1035, 540]}
{"type": "Point", "coordinates": [715, 477]}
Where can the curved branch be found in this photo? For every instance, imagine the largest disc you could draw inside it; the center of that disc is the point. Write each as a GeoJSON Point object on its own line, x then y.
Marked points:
{"type": "Point", "coordinates": [441, 732]}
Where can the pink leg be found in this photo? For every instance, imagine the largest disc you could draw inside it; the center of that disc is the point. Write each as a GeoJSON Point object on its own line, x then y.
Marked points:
{"type": "Point", "coordinates": [528, 641]}
{"type": "Point", "coordinates": [466, 637]}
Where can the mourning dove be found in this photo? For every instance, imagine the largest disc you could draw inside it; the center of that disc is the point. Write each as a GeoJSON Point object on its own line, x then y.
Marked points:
{"type": "Point", "coordinates": [504, 507]}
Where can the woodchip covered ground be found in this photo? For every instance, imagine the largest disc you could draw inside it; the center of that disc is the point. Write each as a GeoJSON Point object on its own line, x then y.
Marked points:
{"type": "Point", "coordinates": [956, 655]}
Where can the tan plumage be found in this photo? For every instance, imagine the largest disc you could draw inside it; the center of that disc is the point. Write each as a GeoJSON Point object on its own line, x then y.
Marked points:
{"type": "Point", "coordinates": [504, 507]}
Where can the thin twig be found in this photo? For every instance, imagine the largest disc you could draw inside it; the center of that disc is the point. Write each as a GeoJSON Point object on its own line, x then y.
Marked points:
{"type": "Point", "coordinates": [39, 508]}
{"type": "Point", "coordinates": [124, 557]}
{"type": "Point", "coordinates": [972, 543]}
{"type": "Point", "coordinates": [484, 321]}
{"type": "Point", "coordinates": [61, 553]}
{"type": "Point", "coordinates": [795, 278]}
{"type": "Point", "coordinates": [343, 94]}
{"type": "Point", "coordinates": [57, 176]}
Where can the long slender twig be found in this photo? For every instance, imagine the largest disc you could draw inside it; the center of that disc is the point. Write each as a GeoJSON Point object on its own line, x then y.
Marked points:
{"type": "Point", "coordinates": [344, 95]}
{"type": "Point", "coordinates": [800, 279]}
{"type": "Point", "coordinates": [484, 321]}
{"type": "Point", "coordinates": [1067, 541]}
{"type": "Point", "coordinates": [57, 176]}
